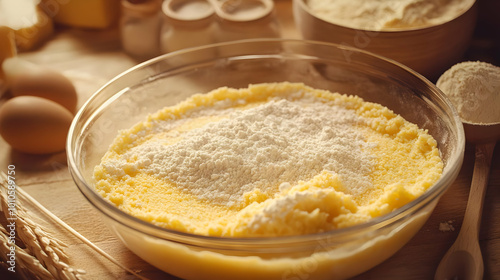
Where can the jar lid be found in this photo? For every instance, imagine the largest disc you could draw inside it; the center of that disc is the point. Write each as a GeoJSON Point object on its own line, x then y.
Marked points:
{"type": "Point", "coordinates": [245, 10]}
{"type": "Point", "coordinates": [141, 7]}
{"type": "Point", "coordinates": [188, 10]}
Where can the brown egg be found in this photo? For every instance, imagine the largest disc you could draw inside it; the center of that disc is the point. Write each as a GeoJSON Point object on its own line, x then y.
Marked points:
{"type": "Point", "coordinates": [27, 79]}
{"type": "Point", "coordinates": [34, 125]}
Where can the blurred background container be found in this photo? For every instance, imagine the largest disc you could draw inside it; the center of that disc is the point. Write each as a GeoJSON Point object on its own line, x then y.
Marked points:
{"type": "Point", "coordinates": [429, 50]}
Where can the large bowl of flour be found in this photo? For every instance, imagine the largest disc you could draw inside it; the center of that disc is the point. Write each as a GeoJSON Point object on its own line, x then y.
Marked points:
{"type": "Point", "coordinates": [428, 36]}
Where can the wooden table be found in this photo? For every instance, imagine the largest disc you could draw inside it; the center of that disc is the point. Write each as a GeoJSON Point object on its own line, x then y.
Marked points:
{"type": "Point", "coordinates": [91, 58]}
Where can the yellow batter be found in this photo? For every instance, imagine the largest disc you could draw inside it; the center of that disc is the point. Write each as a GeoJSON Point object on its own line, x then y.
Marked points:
{"type": "Point", "coordinates": [405, 159]}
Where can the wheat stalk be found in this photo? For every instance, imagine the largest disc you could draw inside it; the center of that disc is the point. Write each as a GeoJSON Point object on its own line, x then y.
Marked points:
{"type": "Point", "coordinates": [43, 255]}
{"type": "Point", "coordinates": [26, 197]}
{"type": "Point", "coordinates": [30, 267]}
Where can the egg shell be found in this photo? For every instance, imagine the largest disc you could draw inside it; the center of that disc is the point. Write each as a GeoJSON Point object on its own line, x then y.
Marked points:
{"type": "Point", "coordinates": [45, 83]}
{"type": "Point", "coordinates": [34, 125]}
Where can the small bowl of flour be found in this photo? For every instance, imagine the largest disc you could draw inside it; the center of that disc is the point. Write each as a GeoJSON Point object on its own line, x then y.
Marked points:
{"type": "Point", "coordinates": [473, 87]}
{"type": "Point", "coordinates": [428, 36]}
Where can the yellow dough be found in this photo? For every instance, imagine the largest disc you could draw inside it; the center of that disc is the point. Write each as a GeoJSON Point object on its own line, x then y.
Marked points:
{"type": "Point", "coordinates": [400, 162]}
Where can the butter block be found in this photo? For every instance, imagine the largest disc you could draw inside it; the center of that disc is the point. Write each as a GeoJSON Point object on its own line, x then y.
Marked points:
{"type": "Point", "coordinates": [97, 14]}
{"type": "Point", "coordinates": [7, 46]}
{"type": "Point", "coordinates": [31, 25]}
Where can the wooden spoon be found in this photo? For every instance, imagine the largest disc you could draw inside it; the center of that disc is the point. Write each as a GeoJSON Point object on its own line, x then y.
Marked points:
{"type": "Point", "coordinates": [464, 261]}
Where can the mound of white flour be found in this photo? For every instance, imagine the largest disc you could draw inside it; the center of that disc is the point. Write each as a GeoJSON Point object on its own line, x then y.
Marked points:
{"type": "Point", "coordinates": [262, 147]}
{"type": "Point", "coordinates": [474, 90]}
{"type": "Point", "coordinates": [388, 14]}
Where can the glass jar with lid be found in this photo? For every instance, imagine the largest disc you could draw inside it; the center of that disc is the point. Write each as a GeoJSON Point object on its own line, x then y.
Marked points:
{"type": "Point", "coordinates": [140, 25]}
{"type": "Point", "coordinates": [246, 19]}
{"type": "Point", "coordinates": [186, 23]}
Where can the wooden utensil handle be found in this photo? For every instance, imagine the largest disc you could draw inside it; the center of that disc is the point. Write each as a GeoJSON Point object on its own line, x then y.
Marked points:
{"type": "Point", "coordinates": [472, 218]}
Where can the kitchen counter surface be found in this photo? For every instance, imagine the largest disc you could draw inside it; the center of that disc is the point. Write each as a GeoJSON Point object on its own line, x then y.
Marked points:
{"type": "Point", "coordinates": [91, 58]}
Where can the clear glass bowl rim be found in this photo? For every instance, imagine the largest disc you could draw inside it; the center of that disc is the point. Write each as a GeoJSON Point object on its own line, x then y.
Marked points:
{"type": "Point", "coordinates": [378, 223]}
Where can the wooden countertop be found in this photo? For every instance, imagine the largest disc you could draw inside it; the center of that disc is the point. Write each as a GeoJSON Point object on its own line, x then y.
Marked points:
{"type": "Point", "coordinates": [91, 58]}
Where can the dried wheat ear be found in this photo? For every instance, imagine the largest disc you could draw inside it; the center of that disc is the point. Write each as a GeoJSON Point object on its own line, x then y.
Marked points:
{"type": "Point", "coordinates": [38, 254]}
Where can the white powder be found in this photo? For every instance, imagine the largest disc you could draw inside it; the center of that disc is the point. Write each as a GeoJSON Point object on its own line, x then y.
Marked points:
{"type": "Point", "coordinates": [446, 226]}
{"type": "Point", "coordinates": [280, 142]}
{"type": "Point", "coordinates": [388, 14]}
{"type": "Point", "coordinates": [474, 89]}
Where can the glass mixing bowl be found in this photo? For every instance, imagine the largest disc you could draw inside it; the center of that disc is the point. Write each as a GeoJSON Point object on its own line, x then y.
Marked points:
{"type": "Point", "coordinates": [168, 79]}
